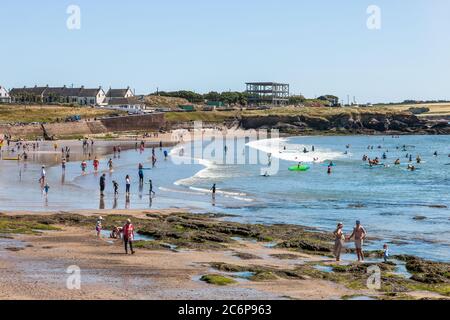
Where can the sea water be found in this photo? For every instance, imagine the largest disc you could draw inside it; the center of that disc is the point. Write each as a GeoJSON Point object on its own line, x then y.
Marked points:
{"type": "Point", "coordinates": [385, 199]}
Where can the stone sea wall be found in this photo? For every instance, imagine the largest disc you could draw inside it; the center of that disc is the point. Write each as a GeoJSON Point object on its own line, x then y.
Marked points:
{"type": "Point", "coordinates": [149, 122]}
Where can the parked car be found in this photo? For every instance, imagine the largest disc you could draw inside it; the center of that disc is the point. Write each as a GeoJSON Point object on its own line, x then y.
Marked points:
{"type": "Point", "coordinates": [73, 118]}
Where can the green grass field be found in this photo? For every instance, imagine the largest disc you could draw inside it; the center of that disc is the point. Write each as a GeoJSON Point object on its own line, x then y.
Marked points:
{"type": "Point", "coordinates": [436, 109]}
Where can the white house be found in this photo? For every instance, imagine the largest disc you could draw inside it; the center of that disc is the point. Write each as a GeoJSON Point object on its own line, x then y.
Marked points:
{"type": "Point", "coordinates": [130, 104]}
{"type": "Point", "coordinates": [94, 97]}
{"type": "Point", "coordinates": [119, 94]}
{"type": "Point", "coordinates": [4, 95]}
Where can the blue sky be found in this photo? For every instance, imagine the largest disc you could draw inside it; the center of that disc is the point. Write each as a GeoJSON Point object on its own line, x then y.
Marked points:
{"type": "Point", "coordinates": [318, 46]}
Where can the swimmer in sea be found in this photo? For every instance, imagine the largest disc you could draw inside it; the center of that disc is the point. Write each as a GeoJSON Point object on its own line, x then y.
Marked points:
{"type": "Point", "coordinates": [397, 162]}
{"type": "Point", "coordinates": [418, 159]}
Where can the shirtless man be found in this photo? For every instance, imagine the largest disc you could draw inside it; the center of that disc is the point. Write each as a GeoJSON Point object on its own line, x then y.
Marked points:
{"type": "Point", "coordinates": [359, 233]}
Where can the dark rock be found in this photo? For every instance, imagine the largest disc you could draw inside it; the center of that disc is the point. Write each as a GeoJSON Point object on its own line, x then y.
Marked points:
{"type": "Point", "coordinates": [306, 245]}
{"type": "Point", "coordinates": [246, 256]}
{"type": "Point", "coordinates": [397, 125]}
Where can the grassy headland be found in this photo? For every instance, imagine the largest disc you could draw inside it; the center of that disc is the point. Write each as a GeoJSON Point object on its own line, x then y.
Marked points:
{"type": "Point", "coordinates": [48, 114]}
{"type": "Point", "coordinates": [324, 112]}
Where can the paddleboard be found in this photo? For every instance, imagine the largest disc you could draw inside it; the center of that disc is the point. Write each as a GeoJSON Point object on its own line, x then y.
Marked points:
{"type": "Point", "coordinates": [299, 168]}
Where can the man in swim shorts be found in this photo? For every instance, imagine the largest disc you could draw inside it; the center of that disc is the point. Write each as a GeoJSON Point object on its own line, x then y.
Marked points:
{"type": "Point", "coordinates": [359, 234]}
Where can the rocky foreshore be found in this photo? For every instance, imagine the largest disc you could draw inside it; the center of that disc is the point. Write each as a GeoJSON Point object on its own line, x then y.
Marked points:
{"type": "Point", "coordinates": [347, 123]}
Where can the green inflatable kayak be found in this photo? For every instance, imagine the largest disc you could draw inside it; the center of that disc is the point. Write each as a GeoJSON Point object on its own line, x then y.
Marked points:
{"type": "Point", "coordinates": [299, 168]}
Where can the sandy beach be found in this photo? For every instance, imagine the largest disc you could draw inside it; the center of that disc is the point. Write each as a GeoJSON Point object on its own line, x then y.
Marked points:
{"type": "Point", "coordinates": [258, 262]}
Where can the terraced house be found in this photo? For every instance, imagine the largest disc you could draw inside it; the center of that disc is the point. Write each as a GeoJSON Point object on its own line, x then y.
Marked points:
{"type": "Point", "coordinates": [119, 94]}
{"type": "Point", "coordinates": [81, 96]}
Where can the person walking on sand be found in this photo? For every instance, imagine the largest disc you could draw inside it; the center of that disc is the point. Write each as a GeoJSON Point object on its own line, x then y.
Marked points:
{"type": "Point", "coordinates": [98, 226]}
{"type": "Point", "coordinates": [359, 234]}
{"type": "Point", "coordinates": [339, 241]}
{"type": "Point", "coordinates": [102, 185]}
{"type": "Point", "coordinates": [128, 236]}
{"type": "Point", "coordinates": [110, 165]}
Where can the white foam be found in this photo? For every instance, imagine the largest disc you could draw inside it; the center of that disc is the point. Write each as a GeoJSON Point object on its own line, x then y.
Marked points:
{"type": "Point", "coordinates": [209, 172]}
{"type": "Point", "coordinates": [294, 152]}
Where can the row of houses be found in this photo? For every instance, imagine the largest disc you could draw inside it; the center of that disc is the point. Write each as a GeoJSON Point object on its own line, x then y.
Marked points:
{"type": "Point", "coordinates": [121, 99]}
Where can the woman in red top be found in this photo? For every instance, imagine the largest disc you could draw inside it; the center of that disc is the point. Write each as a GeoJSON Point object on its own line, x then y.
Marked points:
{"type": "Point", "coordinates": [128, 236]}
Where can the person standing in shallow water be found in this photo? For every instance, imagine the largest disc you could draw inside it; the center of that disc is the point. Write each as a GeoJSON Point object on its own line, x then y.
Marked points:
{"type": "Point", "coordinates": [128, 185]}
{"type": "Point", "coordinates": [141, 174]}
{"type": "Point", "coordinates": [339, 241]}
{"type": "Point", "coordinates": [102, 185]}
{"type": "Point", "coordinates": [214, 190]}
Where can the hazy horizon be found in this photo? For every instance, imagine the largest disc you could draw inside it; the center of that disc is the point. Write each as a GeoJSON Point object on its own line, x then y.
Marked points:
{"type": "Point", "coordinates": [318, 47]}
